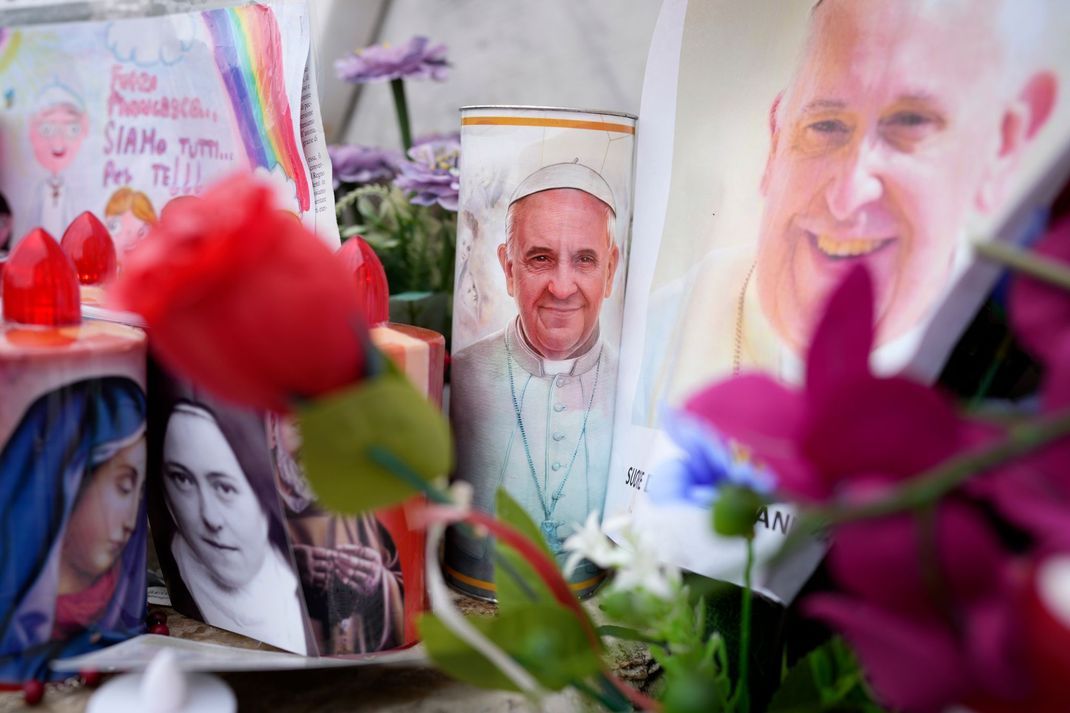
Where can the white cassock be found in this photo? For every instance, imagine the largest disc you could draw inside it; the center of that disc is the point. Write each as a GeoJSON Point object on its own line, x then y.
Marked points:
{"type": "Point", "coordinates": [539, 428]}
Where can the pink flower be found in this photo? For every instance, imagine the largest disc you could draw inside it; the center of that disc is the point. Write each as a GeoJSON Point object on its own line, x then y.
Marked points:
{"type": "Point", "coordinates": [845, 422]}
{"type": "Point", "coordinates": [929, 633]}
{"type": "Point", "coordinates": [1034, 493]}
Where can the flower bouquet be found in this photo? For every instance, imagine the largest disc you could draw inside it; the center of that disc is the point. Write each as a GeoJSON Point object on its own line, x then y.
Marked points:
{"type": "Point", "coordinates": [404, 203]}
{"type": "Point", "coordinates": [948, 530]}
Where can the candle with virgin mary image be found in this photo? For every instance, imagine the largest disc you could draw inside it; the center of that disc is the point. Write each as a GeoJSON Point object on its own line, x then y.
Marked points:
{"type": "Point", "coordinates": [72, 474]}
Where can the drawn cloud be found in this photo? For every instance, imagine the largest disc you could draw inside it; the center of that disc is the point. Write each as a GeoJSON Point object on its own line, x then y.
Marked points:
{"type": "Point", "coordinates": [282, 186]}
{"type": "Point", "coordinates": [163, 41]}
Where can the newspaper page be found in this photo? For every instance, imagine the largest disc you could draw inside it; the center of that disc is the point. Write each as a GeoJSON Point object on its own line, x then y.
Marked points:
{"type": "Point", "coordinates": [782, 144]}
{"type": "Point", "coordinates": [120, 115]}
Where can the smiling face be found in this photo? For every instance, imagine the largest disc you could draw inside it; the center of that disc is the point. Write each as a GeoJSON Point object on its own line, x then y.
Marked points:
{"type": "Point", "coordinates": [894, 130]}
{"type": "Point", "coordinates": [559, 267]}
{"type": "Point", "coordinates": [127, 230]}
{"type": "Point", "coordinates": [56, 134]}
{"type": "Point", "coordinates": [210, 499]}
{"type": "Point", "coordinates": [103, 518]}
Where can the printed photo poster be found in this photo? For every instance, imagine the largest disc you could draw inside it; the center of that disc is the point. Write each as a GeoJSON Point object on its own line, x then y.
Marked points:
{"type": "Point", "coordinates": [545, 208]}
{"type": "Point", "coordinates": [121, 117]}
{"type": "Point", "coordinates": [786, 143]}
{"type": "Point", "coordinates": [245, 546]}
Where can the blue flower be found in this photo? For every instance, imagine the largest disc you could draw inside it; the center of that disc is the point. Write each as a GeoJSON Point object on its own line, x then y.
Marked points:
{"type": "Point", "coordinates": [708, 461]}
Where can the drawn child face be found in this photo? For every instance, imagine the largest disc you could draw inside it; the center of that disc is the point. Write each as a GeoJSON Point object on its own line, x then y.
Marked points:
{"type": "Point", "coordinates": [56, 134]}
{"type": "Point", "coordinates": [127, 230]}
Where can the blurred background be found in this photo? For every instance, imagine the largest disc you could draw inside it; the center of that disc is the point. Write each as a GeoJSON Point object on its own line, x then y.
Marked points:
{"type": "Point", "coordinates": [575, 53]}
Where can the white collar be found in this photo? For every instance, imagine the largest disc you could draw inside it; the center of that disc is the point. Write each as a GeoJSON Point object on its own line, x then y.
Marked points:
{"type": "Point", "coordinates": [536, 365]}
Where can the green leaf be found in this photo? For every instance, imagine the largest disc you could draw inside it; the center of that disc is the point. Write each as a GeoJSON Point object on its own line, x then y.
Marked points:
{"type": "Point", "coordinates": [517, 584]}
{"type": "Point", "coordinates": [798, 692]}
{"type": "Point", "coordinates": [457, 658]}
{"type": "Point", "coordinates": [545, 639]}
{"type": "Point", "coordinates": [828, 678]}
{"type": "Point", "coordinates": [343, 430]}
{"type": "Point", "coordinates": [735, 510]}
{"type": "Point", "coordinates": [548, 641]}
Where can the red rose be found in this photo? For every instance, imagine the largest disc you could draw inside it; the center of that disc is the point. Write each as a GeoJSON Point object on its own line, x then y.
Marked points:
{"type": "Point", "coordinates": [242, 299]}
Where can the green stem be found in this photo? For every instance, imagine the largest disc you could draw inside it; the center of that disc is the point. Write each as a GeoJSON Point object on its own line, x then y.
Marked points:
{"type": "Point", "coordinates": [625, 633]}
{"type": "Point", "coordinates": [934, 483]}
{"type": "Point", "coordinates": [743, 684]}
{"type": "Point", "coordinates": [594, 695]}
{"type": "Point", "coordinates": [401, 106]}
{"type": "Point", "coordinates": [993, 369]}
{"type": "Point", "coordinates": [1026, 262]}
{"type": "Point", "coordinates": [386, 458]}
{"type": "Point", "coordinates": [349, 199]}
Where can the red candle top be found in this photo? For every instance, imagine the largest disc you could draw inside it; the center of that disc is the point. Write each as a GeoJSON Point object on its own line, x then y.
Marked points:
{"type": "Point", "coordinates": [89, 245]}
{"type": "Point", "coordinates": [40, 283]}
{"type": "Point", "coordinates": [362, 261]}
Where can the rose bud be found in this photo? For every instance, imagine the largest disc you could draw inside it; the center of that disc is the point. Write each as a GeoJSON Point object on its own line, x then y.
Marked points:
{"type": "Point", "coordinates": [244, 300]}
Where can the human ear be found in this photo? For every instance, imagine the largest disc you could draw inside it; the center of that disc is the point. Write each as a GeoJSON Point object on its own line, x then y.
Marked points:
{"type": "Point", "coordinates": [614, 258]}
{"type": "Point", "coordinates": [1023, 118]}
{"type": "Point", "coordinates": [507, 268]}
{"type": "Point", "coordinates": [774, 135]}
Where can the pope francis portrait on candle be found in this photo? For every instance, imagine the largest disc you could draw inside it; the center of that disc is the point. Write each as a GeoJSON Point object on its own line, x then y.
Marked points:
{"type": "Point", "coordinates": [532, 403]}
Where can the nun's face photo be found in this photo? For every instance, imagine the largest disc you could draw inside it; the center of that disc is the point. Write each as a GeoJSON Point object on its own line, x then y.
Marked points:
{"type": "Point", "coordinates": [211, 501]}
{"type": "Point", "coordinates": [105, 513]}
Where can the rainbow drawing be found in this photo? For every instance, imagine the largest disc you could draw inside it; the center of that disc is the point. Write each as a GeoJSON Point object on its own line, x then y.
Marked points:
{"type": "Point", "coordinates": [248, 53]}
{"type": "Point", "coordinates": [10, 40]}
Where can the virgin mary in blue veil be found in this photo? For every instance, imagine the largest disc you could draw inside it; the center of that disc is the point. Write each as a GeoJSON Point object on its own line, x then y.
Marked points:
{"type": "Point", "coordinates": [72, 526]}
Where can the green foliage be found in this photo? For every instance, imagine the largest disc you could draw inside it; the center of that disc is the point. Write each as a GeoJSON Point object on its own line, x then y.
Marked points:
{"type": "Point", "coordinates": [344, 433]}
{"type": "Point", "coordinates": [457, 658]}
{"type": "Point", "coordinates": [696, 681]}
{"type": "Point", "coordinates": [735, 510]}
{"type": "Point", "coordinates": [829, 678]}
{"type": "Point", "coordinates": [518, 586]}
{"type": "Point", "coordinates": [415, 243]}
{"type": "Point", "coordinates": [543, 638]}
{"type": "Point", "coordinates": [534, 628]}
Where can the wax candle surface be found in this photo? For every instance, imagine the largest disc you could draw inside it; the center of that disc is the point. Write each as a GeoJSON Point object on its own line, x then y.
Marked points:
{"type": "Point", "coordinates": [72, 469]}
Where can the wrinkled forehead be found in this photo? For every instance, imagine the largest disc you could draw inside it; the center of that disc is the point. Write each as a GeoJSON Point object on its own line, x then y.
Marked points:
{"type": "Point", "coordinates": [567, 213]}
{"type": "Point", "coordinates": [61, 113]}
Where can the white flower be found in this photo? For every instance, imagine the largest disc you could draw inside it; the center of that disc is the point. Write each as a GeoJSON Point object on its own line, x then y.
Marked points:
{"type": "Point", "coordinates": [641, 569]}
{"type": "Point", "coordinates": [589, 542]}
{"type": "Point", "coordinates": [636, 564]}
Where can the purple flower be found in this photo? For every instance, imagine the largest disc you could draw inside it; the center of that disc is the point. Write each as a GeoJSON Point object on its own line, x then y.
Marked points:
{"type": "Point", "coordinates": [431, 173]}
{"type": "Point", "coordinates": [362, 164]}
{"type": "Point", "coordinates": [415, 59]}
{"type": "Point", "coordinates": [708, 462]}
